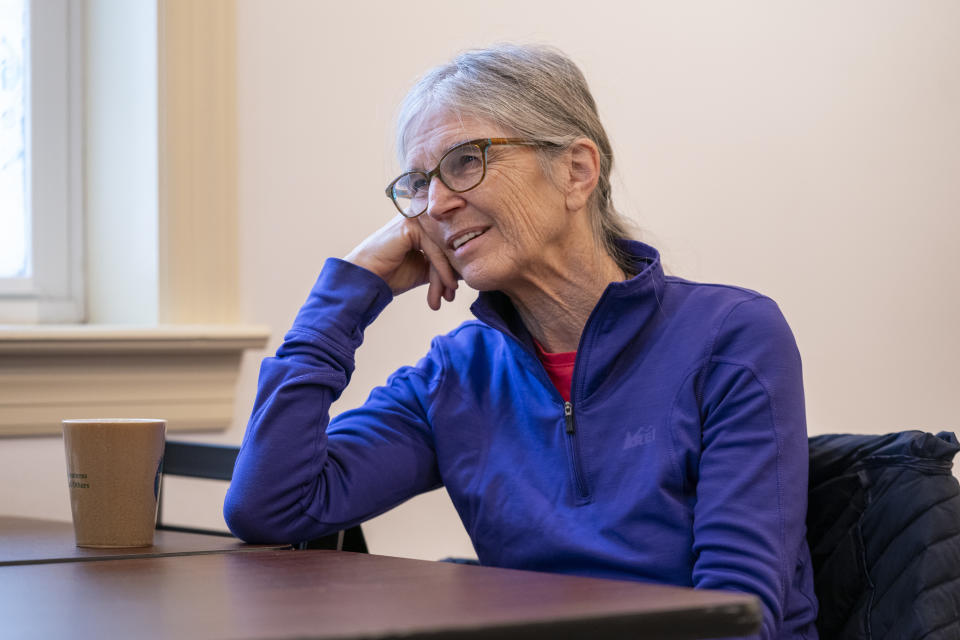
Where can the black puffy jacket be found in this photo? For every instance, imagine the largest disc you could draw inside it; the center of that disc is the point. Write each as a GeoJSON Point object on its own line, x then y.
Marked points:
{"type": "Point", "coordinates": [884, 533]}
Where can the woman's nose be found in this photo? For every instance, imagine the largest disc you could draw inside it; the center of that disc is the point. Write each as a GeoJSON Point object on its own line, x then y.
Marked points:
{"type": "Point", "coordinates": [440, 199]}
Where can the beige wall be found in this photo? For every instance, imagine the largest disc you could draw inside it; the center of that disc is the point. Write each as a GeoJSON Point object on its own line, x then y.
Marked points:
{"type": "Point", "coordinates": [807, 150]}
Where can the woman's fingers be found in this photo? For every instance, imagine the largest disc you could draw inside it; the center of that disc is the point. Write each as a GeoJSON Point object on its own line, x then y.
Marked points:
{"type": "Point", "coordinates": [435, 289]}
{"type": "Point", "coordinates": [438, 260]}
{"type": "Point", "coordinates": [393, 253]}
{"type": "Point", "coordinates": [404, 255]}
{"type": "Point", "coordinates": [443, 278]}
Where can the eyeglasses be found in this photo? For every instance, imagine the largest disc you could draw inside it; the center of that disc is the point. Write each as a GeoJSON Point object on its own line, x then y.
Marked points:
{"type": "Point", "coordinates": [460, 169]}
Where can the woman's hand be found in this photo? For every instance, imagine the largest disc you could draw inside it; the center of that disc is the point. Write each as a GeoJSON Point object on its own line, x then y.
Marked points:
{"type": "Point", "coordinates": [405, 257]}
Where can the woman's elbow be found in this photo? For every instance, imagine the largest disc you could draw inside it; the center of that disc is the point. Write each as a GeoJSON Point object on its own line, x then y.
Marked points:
{"type": "Point", "coordinates": [245, 521]}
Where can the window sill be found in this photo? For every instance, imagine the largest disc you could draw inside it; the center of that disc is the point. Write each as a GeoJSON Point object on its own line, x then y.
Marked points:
{"type": "Point", "coordinates": [185, 374]}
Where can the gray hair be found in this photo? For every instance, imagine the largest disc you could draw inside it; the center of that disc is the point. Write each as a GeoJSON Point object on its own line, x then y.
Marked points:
{"type": "Point", "coordinates": [535, 91]}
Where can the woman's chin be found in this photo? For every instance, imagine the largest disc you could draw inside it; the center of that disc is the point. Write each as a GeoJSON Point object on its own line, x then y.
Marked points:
{"type": "Point", "coordinates": [480, 279]}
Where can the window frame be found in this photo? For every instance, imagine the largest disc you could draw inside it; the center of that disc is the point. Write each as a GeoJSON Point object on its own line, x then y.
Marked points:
{"type": "Point", "coordinates": [54, 290]}
{"type": "Point", "coordinates": [184, 364]}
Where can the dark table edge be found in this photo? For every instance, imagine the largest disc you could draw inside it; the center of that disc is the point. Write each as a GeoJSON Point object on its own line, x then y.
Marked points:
{"type": "Point", "coordinates": [136, 556]}
{"type": "Point", "coordinates": [724, 621]}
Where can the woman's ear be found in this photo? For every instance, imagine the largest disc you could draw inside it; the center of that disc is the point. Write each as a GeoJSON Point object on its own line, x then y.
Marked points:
{"type": "Point", "coordinates": [583, 172]}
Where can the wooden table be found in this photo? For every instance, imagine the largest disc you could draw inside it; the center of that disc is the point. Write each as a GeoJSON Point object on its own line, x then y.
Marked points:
{"type": "Point", "coordinates": [33, 541]}
{"type": "Point", "coordinates": [331, 594]}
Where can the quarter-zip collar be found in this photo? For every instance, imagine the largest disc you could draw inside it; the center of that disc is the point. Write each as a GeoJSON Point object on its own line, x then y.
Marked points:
{"type": "Point", "coordinates": [616, 320]}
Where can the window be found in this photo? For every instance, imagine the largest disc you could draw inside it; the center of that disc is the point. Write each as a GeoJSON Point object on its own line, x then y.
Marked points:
{"type": "Point", "coordinates": [41, 265]}
{"type": "Point", "coordinates": [14, 258]}
{"type": "Point", "coordinates": [156, 340]}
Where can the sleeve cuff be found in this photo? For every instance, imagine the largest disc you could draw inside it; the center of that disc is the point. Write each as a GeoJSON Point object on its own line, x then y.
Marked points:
{"type": "Point", "coordinates": [343, 302]}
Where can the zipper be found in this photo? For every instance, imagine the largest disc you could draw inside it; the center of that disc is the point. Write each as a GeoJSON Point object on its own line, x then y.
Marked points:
{"type": "Point", "coordinates": [574, 448]}
{"type": "Point", "coordinates": [573, 444]}
{"type": "Point", "coordinates": [570, 422]}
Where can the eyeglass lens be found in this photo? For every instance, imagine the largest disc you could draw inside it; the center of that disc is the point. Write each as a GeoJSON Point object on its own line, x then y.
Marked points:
{"type": "Point", "coordinates": [460, 169]}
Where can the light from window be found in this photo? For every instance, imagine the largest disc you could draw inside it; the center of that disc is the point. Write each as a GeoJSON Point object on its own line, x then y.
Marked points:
{"type": "Point", "coordinates": [14, 219]}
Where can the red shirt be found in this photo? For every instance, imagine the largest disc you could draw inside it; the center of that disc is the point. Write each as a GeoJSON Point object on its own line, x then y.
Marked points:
{"type": "Point", "coordinates": [559, 367]}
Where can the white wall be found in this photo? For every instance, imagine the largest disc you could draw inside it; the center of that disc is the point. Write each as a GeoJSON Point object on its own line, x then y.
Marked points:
{"type": "Point", "coordinates": [810, 151]}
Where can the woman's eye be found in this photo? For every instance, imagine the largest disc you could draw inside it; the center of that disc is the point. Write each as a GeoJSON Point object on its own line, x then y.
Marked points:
{"type": "Point", "coordinates": [466, 161]}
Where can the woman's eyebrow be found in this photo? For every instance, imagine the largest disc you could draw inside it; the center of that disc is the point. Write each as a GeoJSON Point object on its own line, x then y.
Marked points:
{"type": "Point", "coordinates": [441, 154]}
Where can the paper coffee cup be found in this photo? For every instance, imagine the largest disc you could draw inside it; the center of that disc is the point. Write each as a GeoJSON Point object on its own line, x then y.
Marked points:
{"type": "Point", "coordinates": [113, 472]}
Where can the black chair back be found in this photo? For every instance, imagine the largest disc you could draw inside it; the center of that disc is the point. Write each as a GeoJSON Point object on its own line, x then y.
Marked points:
{"type": "Point", "coordinates": [883, 526]}
{"type": "Point", "coordinates": [216, 462]}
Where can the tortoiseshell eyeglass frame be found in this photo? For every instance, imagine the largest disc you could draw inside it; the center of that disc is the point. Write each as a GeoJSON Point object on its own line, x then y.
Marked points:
{"type": "Point", "coordinates": [482, 144]}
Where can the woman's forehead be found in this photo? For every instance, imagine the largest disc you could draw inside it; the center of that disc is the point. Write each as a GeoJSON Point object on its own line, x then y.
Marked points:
{"type": "Point", "coordinates": [436, 130]}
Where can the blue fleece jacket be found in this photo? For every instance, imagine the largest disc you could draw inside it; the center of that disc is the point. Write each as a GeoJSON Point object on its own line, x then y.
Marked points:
{"type": "Point", "coordinates": [681, 458]}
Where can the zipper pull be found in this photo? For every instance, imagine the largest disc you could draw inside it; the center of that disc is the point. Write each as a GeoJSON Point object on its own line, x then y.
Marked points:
{"type": "Point", "coordinates": [568, 415]}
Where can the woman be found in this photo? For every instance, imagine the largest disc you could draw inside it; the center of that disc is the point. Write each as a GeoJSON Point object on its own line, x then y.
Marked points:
{"type": "Point", "coordinates": [599, 418]}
